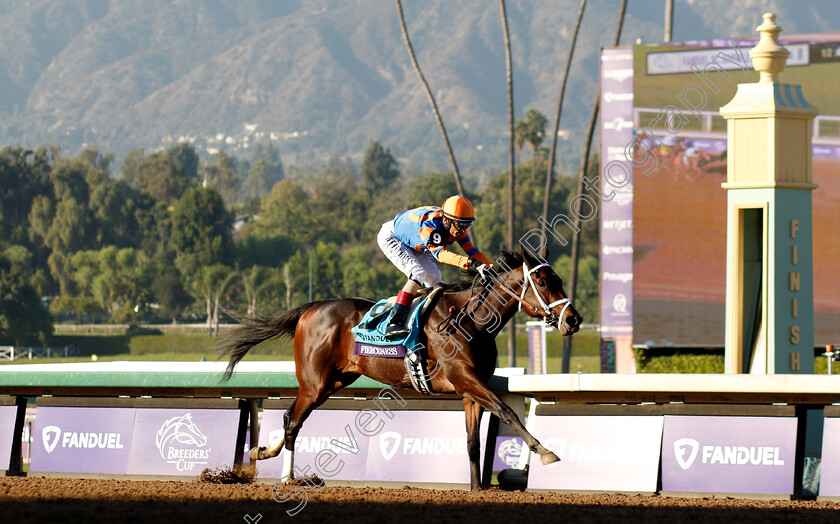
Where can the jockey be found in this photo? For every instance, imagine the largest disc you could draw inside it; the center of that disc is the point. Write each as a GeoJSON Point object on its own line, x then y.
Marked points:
{"type": "Point", "coordinates": [416, 238]}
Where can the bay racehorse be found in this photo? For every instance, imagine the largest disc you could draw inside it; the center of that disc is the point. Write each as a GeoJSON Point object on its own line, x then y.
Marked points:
{"type": "Point", "coordinates": [459, 337]}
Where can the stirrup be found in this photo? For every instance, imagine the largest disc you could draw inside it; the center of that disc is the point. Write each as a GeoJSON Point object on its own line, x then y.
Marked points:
{"type": "Point", "coordinates": [396, 330]}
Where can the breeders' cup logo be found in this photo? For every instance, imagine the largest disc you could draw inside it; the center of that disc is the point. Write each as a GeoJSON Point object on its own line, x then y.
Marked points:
{"type": "Point", "coordinates": [620, 303]}
{"type": "Point", "coordinates": [509, 451]}
{"type": "Point", "coordinates": [50, 436]}
{"type": "Point", "coordinates": [685, 451]}
{"type": "Point", "coordinates": [180, 442]}
{"type": "Point", "coordinates": [389, 443]}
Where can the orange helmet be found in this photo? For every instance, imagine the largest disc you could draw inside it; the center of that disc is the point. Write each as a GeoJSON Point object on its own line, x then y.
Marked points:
{"type": "Point", "coordinates": [459, 209]}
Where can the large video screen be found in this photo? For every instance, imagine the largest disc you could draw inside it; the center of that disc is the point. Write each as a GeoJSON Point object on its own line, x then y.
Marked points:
{"type": "Point", "coordinates": [679, 208]}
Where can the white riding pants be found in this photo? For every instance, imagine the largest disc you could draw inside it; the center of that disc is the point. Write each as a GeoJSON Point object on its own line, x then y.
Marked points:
{"type": "Point", "coordinates": [416, 265]}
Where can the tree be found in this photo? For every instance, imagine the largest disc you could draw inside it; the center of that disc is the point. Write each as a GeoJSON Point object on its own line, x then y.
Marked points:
{"type": "Point", "coordinates": [327, 280]}
{"type": "Point", "coordinates": [257, 281]}
{"type": "Point", "coordinates": [168, 291]}
{"type": "Point", "coordinates": [131, 168]}
{"type": "Point", "coordinates": [202, 227]}
{"type": "Point", "coordinates": [511, 172]}
{"type": "Point", "coordinates": [553, 151]}
{"type": "Point", "coordinates": [379, 169]}
{"type": "Point", "coordinates": [184, 157]}
{"type": "Point", "coordinates": [23, 318]}
{"type": "Point", "coordinates": [24, 177]}
{"type": "Point", "coordinates": [367, 273]}
{"type": "Point", "coordinates": [119, 279]}
{"type": "Point", "coordinates": [431, 189]}
{"type": "Point", "coordinates": [265, 170]}
{"type": "Point", "coordinates": [285, 212]}
{"type": "Point", "coordinates": [163, 178]}
{"type": "Point", "coordinates": [455, 172]}
{"type": "Point", "coordinates": [531, 130]}
{"type": "Point", "coordinates": [221, 175]}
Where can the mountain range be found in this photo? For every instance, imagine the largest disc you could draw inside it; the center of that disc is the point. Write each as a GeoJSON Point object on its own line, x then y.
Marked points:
{"type": "Point", "coordinates": [322, 78]}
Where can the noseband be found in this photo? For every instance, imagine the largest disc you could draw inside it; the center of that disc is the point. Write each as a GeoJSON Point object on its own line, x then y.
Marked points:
{"type": "Point", "coordinates": [528, 281]}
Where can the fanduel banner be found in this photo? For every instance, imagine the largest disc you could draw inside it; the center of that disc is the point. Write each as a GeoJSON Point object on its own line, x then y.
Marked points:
{"type": "Point", "coordinates": [323, 430]}
{"type": "Point", "coordinates": [81, 440]}
{"type": "Point", "coordinates": [413, 446]}
{"type": "Point", "coordinates": [182, 441]}
{"type": "Point", "coordinates": [8, 416]}
{"type": "Point", "coordinates": [598, 453]}
{"type": "Point", "coordinates": [830, 460]}
{"type": "Point", "coordinates": [728, 454]}
{"type": "Point", "coordinates": [422, 446]}
{"type": "Point", "coordinates": [616, 192]}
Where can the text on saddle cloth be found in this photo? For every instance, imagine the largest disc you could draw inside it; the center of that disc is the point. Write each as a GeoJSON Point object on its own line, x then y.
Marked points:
{"type": "Point", "coordinates": [370, 332]}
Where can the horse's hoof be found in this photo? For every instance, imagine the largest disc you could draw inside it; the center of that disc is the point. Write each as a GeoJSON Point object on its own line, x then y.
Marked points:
{"type": "Point", "coordinates": [257, 453]}
{"type": "Point", "coordinates": [549, 458]}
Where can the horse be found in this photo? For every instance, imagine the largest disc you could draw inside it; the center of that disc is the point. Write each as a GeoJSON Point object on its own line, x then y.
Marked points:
{"type": "Point", "coordinates": [459, 337]}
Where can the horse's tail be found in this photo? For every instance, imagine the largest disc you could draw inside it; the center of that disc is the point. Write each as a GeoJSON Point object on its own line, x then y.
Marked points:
{"type": "Point", "coordinates": [251, 331]}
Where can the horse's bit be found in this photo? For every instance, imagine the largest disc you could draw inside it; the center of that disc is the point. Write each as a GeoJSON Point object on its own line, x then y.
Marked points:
{"type": "Point", "coordinates": [528, 281]}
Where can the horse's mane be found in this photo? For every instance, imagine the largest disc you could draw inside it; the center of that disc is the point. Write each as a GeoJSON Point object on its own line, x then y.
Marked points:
{"type": "Point", "coordinates": [506, 259]}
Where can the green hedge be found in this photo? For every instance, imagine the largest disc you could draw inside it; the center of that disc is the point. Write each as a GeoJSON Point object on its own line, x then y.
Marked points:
{"type": "Point", "coordinates": [686, 363]}
{"type": "Point", "coordinates": [148, 344]}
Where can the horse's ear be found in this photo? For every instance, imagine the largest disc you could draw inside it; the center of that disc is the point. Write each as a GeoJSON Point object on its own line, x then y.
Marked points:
{"type": "Point", "coordinates": [527, 256]}
{"type": "Point", "coordinates": [544, 252]}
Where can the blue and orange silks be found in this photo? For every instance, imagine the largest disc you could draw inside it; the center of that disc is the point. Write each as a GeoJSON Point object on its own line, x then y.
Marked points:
{"type": "Point", "coordinates": [422, 229]}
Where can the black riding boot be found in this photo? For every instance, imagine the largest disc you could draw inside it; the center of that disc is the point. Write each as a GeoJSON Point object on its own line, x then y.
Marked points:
{"type": "Point", "coordinates": [396, 327]}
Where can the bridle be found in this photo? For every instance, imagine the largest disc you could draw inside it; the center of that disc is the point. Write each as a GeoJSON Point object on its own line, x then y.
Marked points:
{"type": "Point", "coordinates": [528, 281]}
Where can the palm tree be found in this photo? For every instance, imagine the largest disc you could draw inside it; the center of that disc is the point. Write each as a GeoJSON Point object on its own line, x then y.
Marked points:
{"type": "Point", "coordinates": [549, 178]}
{"type": "Point", "coordinates": [581, 189]}
{"type": "Point", "coordinates": [455, 171]}
{"type": "Point", "coordinates": [531, 130]}
{"type": "Point", "coordinates": [256, 280]}
{"type": "Point", "coordinates": [511, 174]}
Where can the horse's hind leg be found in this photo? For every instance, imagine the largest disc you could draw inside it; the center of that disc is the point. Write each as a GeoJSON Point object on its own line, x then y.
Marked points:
{"type": "Point", "coordinates": [311, 394]}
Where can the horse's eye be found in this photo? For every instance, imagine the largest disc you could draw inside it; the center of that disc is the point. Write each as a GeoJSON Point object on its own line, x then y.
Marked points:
{"type": "Point", "coordinates": [542, 283]}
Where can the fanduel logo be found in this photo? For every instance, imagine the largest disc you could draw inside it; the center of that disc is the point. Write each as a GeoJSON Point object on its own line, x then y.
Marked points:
{"type": "Point", "coordinates": [681, 446]}
{"type": "Point", "coordinates": [389, 443]}
{"type": "Point", "coordinates": [50, 435]}
{"type": "Point", "coordinates": [734, 455]}
{"type": "Point", "coordinates": [180, 442]}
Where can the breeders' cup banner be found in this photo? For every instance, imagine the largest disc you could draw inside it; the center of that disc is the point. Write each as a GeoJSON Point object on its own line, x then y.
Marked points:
{"type": "Point", "coordinates": [616, 198]}
{"type": "Point", "coordinates": [367, 445]}
{"type": "Point", "coordinates": [133, 441]}
{"type": "Point", "coordinates": [8, 416]}
{"type": "Point", "coordinates": [728, 454]}
{"type": "Point", "coordinates": [182, 442]}
{"type": "Point", "coordinates": [598, 453]}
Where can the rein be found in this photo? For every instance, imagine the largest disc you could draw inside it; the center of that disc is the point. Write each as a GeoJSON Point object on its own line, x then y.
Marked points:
{"type": "Point", "coordinates": [528, 281]}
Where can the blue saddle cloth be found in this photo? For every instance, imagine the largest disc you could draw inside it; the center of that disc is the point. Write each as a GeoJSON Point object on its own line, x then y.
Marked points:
{"type": "Point", "coordinates": [370, 332]}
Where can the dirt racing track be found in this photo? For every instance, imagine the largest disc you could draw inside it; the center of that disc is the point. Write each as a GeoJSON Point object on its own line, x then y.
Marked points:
{"type": "Point", "coordinates": [40, 500]}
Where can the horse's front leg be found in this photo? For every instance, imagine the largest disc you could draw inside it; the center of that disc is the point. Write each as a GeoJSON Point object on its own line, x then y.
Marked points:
{"type": "Point", "coordinates": [473, 413]}
{"type": "Point", "coordinates": [470, 387]}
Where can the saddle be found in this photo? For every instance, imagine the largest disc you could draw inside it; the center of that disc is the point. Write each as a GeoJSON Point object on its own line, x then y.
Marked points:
{"type": "Point", "coordinates": [372, 342]}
